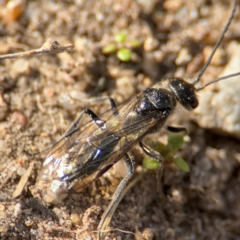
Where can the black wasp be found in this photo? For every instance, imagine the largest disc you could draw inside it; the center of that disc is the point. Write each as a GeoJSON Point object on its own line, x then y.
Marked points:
{"type": "Point", "coordinates": [87, 151]}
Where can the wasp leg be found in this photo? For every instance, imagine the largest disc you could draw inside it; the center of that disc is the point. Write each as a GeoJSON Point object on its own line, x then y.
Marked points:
{"type": "Point", "coordinates": [176, 129]}
{"type": "Point", "coordinates": [151, 153]}
{"type": "Point", "coordinates": [91, 114]}
{"type": "Point", "coordinates": [94, 117]}
{"type": "Point", "coordinates": [157, 156]}
{"type": "Point", "coordinates": [73, 127]}
{"type": "Point", "coordinates": [112, 103]}
{"type": "Point", "coordinates": [98, 121]}
{"type": "Point", "coordinates": [113, 106]}
{"type": "Point", "coordinates": [117, 197]}
{"type": "Point", "coordinates": [111, 100]}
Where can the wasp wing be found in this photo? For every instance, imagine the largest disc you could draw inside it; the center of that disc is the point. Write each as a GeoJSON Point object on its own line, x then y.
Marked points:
{"type": "Point", "coordinates": [90, 150]}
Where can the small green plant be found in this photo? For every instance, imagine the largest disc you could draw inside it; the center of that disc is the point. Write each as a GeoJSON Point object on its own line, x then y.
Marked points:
{"type": "Point", "coordinates": [175, 141]}
{"type": "Point", "coordinates": [122, 46]}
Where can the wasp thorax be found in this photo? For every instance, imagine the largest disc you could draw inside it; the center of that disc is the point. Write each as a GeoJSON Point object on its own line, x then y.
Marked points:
{"type": "Point", "coordinates": [156, 100]}
{"type": "Point", "coordinates": [185, 93]}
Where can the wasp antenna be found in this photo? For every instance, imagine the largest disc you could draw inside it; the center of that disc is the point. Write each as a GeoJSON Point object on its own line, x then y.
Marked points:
{"type": "Point", "coordinates": [217, 44]}
{"type": "Point", "coordinates": [218, 80]}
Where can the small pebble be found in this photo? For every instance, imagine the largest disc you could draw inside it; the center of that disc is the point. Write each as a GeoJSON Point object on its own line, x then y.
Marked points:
{"type": "Point", "coordinates": [20, 66]}
{"type": "Point", "coordinates": [2, 207]}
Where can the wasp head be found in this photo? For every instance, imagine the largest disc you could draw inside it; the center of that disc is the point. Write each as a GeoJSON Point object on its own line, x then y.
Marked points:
{"type": "Point", "coordinates": [185, 93]}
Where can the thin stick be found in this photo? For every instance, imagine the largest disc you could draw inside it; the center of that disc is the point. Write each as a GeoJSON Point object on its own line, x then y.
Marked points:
{"type": "Point", "coordinates": [50, 46]}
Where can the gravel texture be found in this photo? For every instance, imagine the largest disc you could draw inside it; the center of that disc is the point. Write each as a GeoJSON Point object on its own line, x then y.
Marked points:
{"type": "Point", "coordinates": [40, 96]}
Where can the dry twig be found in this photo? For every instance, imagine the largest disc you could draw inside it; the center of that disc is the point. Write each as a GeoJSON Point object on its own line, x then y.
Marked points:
{"type": "Point", "coordinates": [50, 46]}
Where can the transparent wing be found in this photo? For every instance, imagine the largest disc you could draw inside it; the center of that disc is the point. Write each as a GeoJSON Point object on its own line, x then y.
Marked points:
{"type": "Point", "coordinates": [90, 149]}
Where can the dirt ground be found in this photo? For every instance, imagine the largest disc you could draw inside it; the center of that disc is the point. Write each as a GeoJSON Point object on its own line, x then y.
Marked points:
{"type": "Point", "coordinates": [40, 97]}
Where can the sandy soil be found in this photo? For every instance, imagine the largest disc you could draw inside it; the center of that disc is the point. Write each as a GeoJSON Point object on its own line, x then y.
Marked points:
{"type": "Point", "coordinates": [40, 96]}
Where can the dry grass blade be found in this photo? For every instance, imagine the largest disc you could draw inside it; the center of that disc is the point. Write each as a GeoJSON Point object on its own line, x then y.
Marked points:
{"type": "Point", "coordinates": [23, 181]}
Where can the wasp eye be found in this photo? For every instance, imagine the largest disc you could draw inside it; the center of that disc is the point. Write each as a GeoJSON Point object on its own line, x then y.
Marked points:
{"type": "Point", "coordinates": [193, 102]}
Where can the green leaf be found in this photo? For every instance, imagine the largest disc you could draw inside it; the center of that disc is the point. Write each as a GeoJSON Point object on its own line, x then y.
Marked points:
{"type": "Point", "coordinates": [124, 54]}
{"type": "Point", "coordinates": [110, 48]}
{"type": "Point", "coordinates": [134, 43]}
{"type": "Point", "coordinates": [181, 164]}
{"type": "Point", "coordinates": [150, 163]}
{"type": "Point", "coordinates": [175, 141]}
{"type": "Point", "coordinates": [169, 154]}
{"type": "Point", "coordinates": [120, 37]}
